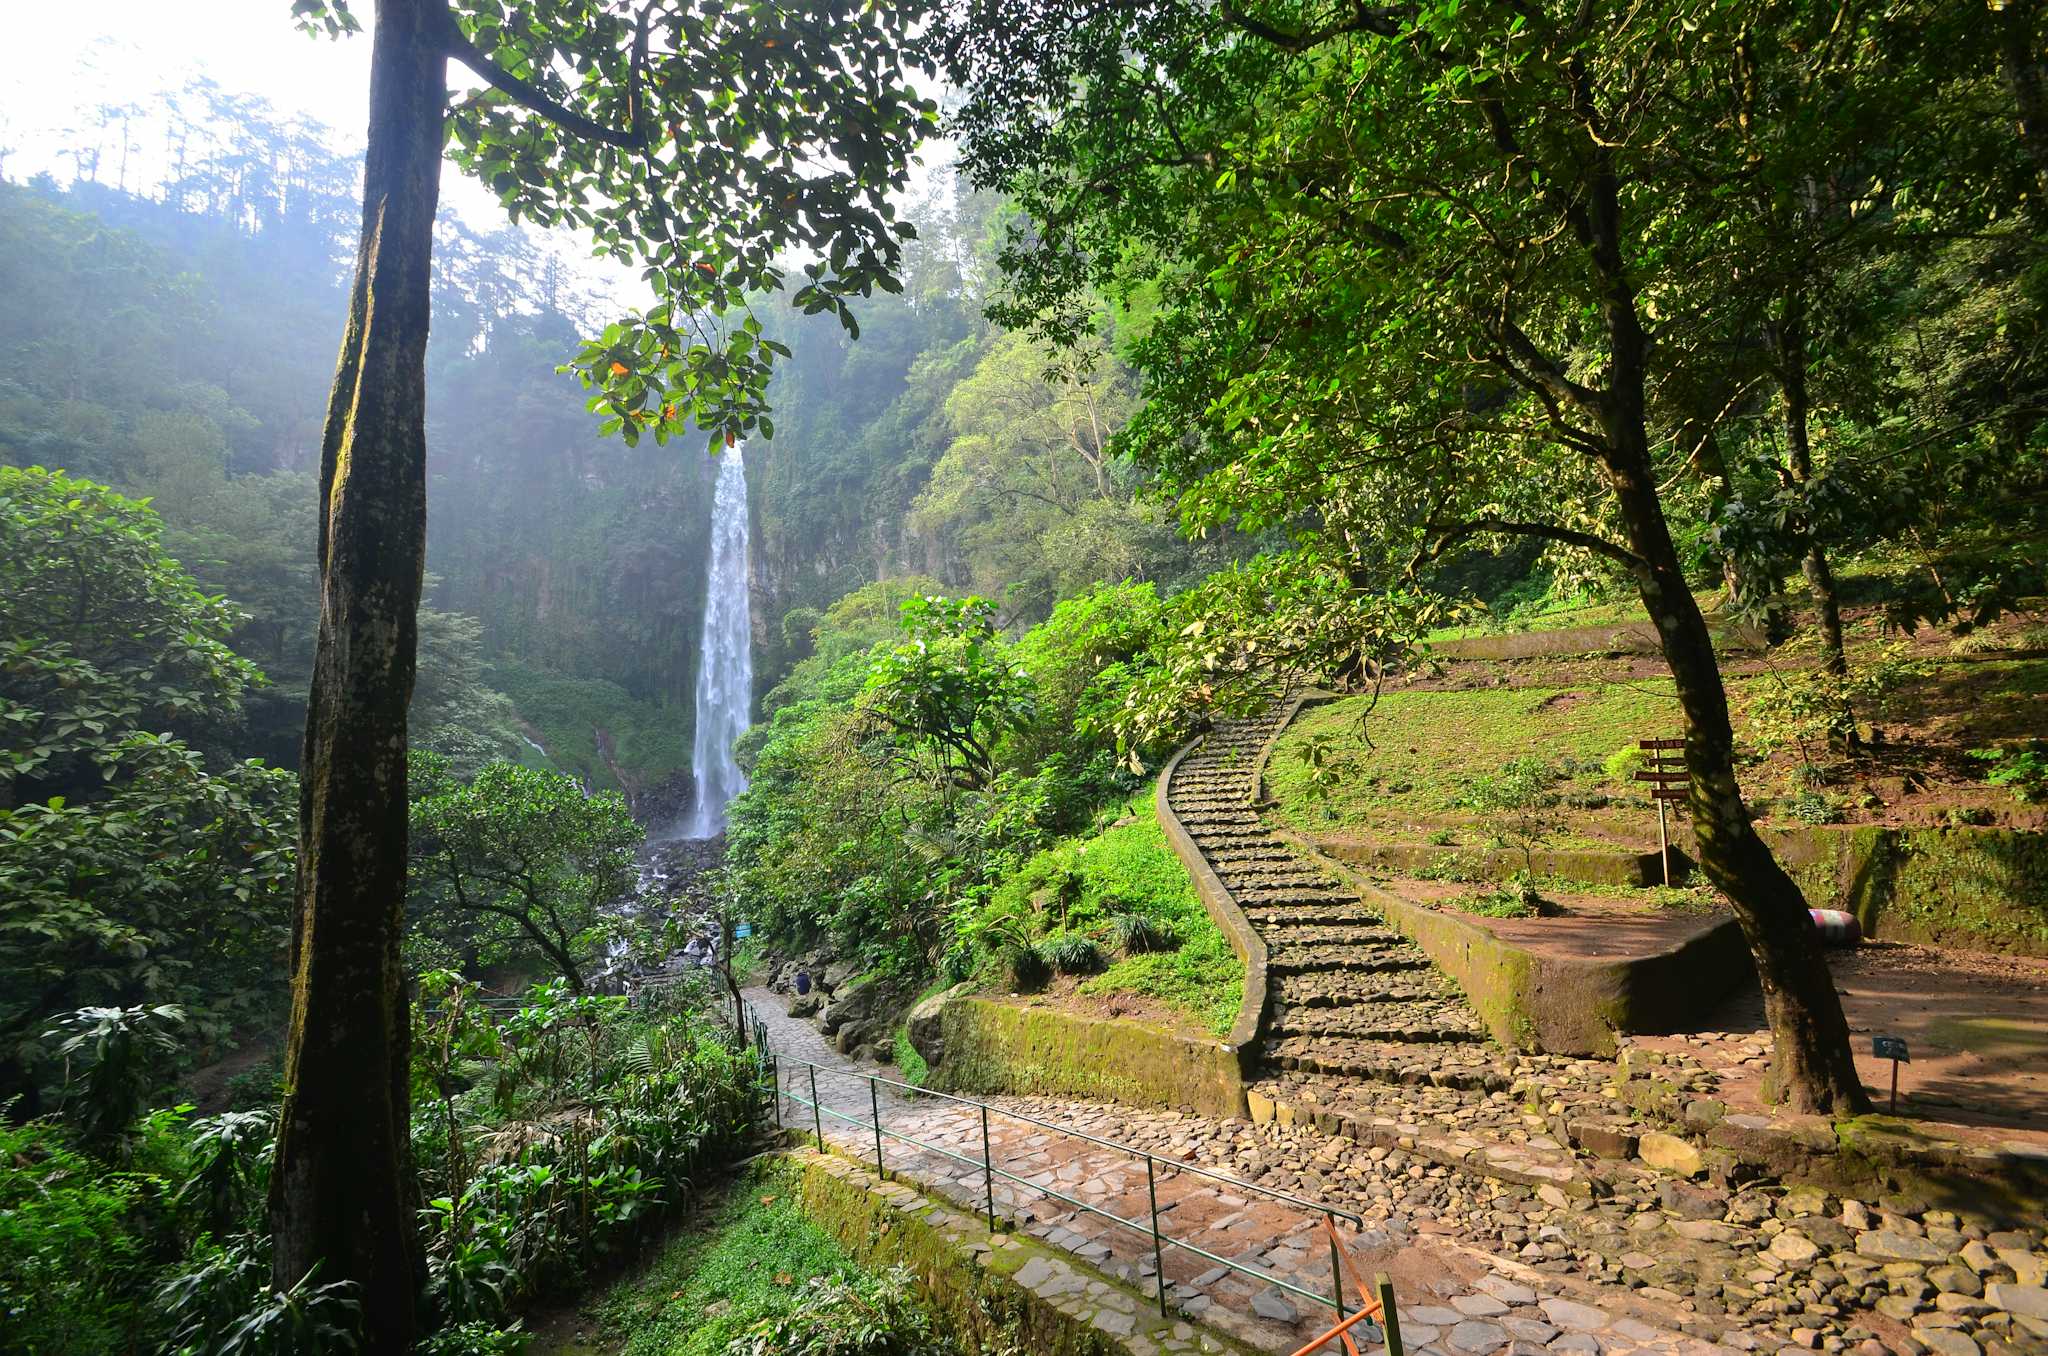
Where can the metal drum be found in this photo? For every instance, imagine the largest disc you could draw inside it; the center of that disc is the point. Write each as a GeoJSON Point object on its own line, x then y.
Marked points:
{"type": "Point", "coordinates": [1836, 927]}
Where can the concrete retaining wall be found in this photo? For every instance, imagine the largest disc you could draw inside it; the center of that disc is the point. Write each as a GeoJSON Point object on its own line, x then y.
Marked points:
{"type": "Point", "coordinates": [1593, 866]}
{"type": "Point", "coordinates": [1005, 1047]}
{"type": "Point", "coordinates": [1243, 1040]}
{"type": "Point", "coordinates": [1981, 889]}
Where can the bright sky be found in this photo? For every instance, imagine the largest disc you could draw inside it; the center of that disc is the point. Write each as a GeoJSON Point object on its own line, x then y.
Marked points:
{"type": "Point", "coordinates": [71, 59]}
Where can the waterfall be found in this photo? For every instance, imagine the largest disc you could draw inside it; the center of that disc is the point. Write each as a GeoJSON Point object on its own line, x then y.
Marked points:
{"type": "Point", "coordinates": [725, 673]}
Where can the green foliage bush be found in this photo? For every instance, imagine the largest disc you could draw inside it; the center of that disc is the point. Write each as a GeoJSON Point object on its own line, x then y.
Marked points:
{"type": "Point", "coordinates": [548, 1140]}
{"type": "Point", "coordinates": [720, 1283]}
{"type": "Point", "coordinates": [74, 1244]}
{"type": "Point", "coordinates": [2023, 768]}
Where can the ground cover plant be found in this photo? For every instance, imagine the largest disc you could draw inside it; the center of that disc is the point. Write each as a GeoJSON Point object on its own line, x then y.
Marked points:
{"type": "Point", "coordinates": [1115, 914]}
{"type": "Point", "coordinates": [753, 1274]}
{"type": "Point", "coordinates": [1425, 763]}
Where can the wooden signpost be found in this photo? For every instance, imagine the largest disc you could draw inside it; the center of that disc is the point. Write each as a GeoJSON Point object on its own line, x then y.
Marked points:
{"type": "Point", "coordinates": [1670, 781]}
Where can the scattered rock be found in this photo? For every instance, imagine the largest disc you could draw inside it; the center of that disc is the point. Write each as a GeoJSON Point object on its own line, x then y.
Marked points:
{"type": "Point", "coordinates": [1889, 1246]}
{"type": "Point", "coordinates": [1573, 1316]}
{"type": "Point", "coordinates": [2030, 1301]}
{"type": "Point", "coordinates": [1474, 1336]}
{"type": "Point", "coordinates": [1671, 1154]}
{"type": "Point", "coordinates": [1794, 1248]}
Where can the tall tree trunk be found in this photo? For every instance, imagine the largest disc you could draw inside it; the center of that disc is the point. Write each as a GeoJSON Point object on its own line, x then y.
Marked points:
{"type": "Point", "coordinates": [1788, 339]}
{"type": "Point", "coordinates": [2026, 75]}
{"type": "Point", "coordinates": [341, 1194]}
{"type": "Point", "coordinates": [1813, 1069]}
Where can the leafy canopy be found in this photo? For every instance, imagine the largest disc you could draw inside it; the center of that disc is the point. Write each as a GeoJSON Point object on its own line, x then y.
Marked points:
{"type": "Point", "coordinates": [703, 143]}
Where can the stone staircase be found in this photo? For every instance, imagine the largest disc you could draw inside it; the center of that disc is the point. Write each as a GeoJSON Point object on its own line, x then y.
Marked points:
{"type": "Point", "coordinates": [1347, 995]}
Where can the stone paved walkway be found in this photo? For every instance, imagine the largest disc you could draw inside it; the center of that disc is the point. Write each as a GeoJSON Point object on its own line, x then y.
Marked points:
{"type": "Point", "coordinates": [1454, 1300]}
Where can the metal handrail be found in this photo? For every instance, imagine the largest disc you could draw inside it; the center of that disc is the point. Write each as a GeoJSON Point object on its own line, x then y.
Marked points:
{"type": "Point", "coordinates": [991, 1171]}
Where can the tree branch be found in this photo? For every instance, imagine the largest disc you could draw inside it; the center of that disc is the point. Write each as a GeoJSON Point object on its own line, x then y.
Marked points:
{"type": "Point", "coordinates": [1585, 541]}
{"type": "Point", "coordinates": [1385, 22]}
{"type": "Point", "coordinates": [530, 96]}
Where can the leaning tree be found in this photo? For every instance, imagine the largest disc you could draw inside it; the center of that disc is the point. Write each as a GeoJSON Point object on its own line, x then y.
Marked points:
{"type": "Point", "coordinates": [1422, 274]}
{"type": "Point", "coordinates": [701, 141]}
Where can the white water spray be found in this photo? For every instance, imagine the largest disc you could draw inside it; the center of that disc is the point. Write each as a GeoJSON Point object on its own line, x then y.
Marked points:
{"type": "Point", "coordinates": [725, 675]}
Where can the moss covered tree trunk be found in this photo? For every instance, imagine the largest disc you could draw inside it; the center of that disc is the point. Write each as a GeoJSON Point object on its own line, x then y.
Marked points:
{"type": "Point", "coordinates": [341, 1194]}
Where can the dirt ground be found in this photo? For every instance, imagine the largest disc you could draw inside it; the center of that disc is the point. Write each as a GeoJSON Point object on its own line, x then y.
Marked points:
{"type": "Point", "coordinates": [1975, 1024]}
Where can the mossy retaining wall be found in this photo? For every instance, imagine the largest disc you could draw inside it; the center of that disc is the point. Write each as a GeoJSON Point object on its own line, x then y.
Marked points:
{"type": "Point", "coordinates": [1592, 866]}
{"type": "Point", "coordinates": [1562, 1004]}
{"type": "Point", "coordinates": [1006, 1047]}
{"type": "Point", "coordinates": [989, 1292]}
{"type": "Point", "coordinates": [1981, 889]}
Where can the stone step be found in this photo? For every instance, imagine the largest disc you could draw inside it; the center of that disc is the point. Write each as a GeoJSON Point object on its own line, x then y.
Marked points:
{"type": "Point", "coordinates": [1275, 920]}
{"type": "Point", "coordinates": [1353, 985]}
{"type": "Point", "coordinates": [1374, 1023]}
{"type": "Point", "coordinates": [1272, 888]}
{"type": "Point", "coordinates": [1197, 821]}
{"type": "Point", "coordinates": [1389, 1062]}
{"type": "Point", "coordinates": [1334, 936]}
{"type": "Point", "coordinates": [1362, 960]}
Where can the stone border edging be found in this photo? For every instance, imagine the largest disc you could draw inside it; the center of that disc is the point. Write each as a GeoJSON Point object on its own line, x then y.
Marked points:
{"type": "Point", "coordinates": [1223, 910]}
{"type": "Point", "coordinates": [1004, 1291]}
{"type": "Point", "coordinates": [1555, 1004]}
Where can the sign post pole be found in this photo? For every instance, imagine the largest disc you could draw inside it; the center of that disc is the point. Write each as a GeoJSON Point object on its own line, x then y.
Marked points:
{"type": "Point", "coordinates": [1663, 841]}
{"type": "Point", "coordinates": [1668, 777]}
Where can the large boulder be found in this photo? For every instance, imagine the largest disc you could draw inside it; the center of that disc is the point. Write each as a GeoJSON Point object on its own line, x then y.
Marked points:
{"type": "Point", "coordinates": [837, 975]}
{"type": "Point", "coordinates": [850, 1005]}
{"type": "Point", "coordinates": [857, 1033]}
{"type": "Point", "coordinates": [925, 1027]}
{"type": "Point", "coordinates": [806, 1005]}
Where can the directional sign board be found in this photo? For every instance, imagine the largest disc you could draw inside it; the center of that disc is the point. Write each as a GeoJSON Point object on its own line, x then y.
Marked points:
{"type": "Point", "coordinates": [1889, 1047]}
{"type": "Point", "coordinates": [742, 931]}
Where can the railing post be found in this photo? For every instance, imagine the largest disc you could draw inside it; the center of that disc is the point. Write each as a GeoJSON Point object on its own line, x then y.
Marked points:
{"type": "Point", "coordinates": [988, 1170]}
{"type": "Point", "coordinates": [817, 1112]}
{"type": "Point", "coordinates": [775, 1081]}
{"type": "Point", "coordinates": [1158, 1257]}
{"type": "Point", "coordinates": [875, 1106]}
{"type": "Point", "coordinates": [1390, 1319]}
{"type": "Point", "coordinates": [1336, 1266]}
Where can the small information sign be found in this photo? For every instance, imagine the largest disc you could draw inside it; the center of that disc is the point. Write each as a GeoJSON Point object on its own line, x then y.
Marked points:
{"type": "Point", "coordinates": [1894, 1049]}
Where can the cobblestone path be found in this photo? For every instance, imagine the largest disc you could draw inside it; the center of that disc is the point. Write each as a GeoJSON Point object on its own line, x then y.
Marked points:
{"type": "Point", "coordinates": [1454, 1300]}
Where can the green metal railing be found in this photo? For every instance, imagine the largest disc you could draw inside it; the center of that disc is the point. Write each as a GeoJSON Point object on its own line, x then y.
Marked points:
{"type": "Point", "coordinates": [804, 1075]}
